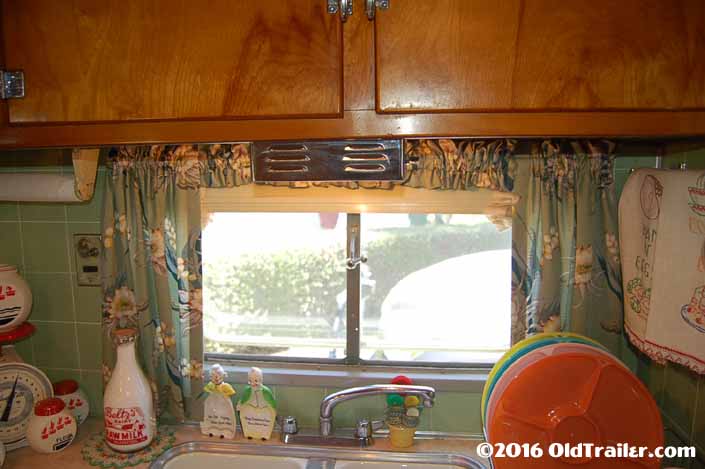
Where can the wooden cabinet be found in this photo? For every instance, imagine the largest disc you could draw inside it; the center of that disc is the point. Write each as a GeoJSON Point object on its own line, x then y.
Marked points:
{"type": "Point", "coordinates": [540, 55]}
{"type": "Point", "coordinates": [160, 71]}
{"type": "Point", "coordinates": [126, 60]}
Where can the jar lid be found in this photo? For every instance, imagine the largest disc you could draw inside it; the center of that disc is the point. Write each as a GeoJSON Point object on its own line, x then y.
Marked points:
{"type": "Point", "coordinates": [67, 386]}
{"type": "Point", "coordinates": [51, 406]}
{"type": "Point", "coordinates": [7, 268]}
{"type": "Point", "coordinates": [124, 336]}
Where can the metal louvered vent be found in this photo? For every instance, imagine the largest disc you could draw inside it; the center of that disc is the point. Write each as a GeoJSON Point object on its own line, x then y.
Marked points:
{"type": "Point", "coordinates": [344, 160]}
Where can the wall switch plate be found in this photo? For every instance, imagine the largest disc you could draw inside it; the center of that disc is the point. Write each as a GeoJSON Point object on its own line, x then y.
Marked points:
{"type": "Point", "coordinates": [87, 254]}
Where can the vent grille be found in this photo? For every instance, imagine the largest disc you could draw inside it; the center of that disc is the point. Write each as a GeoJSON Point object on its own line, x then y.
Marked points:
{"type": "Point", "coordinates": [365, 160]}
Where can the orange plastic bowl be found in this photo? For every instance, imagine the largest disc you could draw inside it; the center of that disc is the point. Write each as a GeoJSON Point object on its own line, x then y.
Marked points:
{"type": "Point", "coordinates": [576, 398]}
{"type": "Point", "coordinates": [524, 362]}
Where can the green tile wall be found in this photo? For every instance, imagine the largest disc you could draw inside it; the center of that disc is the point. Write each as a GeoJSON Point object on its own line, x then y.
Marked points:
{"type": "Point", "coordinates": [37, 238]}
{"type": "Point", "coordinates": [455, 412]}
{"type": "Point", "coordinates": [679, 393]}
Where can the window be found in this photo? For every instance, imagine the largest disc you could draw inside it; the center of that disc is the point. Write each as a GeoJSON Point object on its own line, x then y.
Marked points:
{"type": "Point", "coordinates": [418, 288]}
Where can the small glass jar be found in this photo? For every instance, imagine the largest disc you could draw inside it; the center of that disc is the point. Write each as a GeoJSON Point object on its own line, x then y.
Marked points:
{"type": "Point", "coordinates": [51, 427]}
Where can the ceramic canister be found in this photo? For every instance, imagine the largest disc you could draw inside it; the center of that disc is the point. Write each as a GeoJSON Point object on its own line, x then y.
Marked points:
{"type": "Point", "coordinates": [51, 426]}
{"type": "Point", "coordinates": [15, 298]}
{"type": "Point", "coordinates": [74, 398]}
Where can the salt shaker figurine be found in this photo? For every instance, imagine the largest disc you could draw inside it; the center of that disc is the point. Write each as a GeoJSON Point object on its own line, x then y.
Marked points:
{"type": "Point", "coordinates": [218, 411]}
{"type": "Point", "coordinates": [257, 407]}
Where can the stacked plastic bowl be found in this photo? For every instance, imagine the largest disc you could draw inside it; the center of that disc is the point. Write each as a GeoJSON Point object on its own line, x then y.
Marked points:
{"type": "Point", "coordinates": [559, 392]}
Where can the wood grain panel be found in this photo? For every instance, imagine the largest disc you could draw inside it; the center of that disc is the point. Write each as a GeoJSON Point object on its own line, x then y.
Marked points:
{"type": "Point", "coordinates": [445, 54]}
{"type": "Point", "coordinates": [117, 60]}
{"type": "Point", "coordinates": [541, 55]}
{"type": "Point", "coordinates": [359, 66]}
{"type": "Point", "coordinates": [603, 54]}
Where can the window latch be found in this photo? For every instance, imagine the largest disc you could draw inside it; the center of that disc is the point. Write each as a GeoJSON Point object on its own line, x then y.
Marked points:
{"type": "Point", "coordinates": [356, 258]}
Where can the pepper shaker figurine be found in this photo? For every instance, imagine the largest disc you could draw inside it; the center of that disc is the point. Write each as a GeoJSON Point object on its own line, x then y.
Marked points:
{"type": "Point", "coordinates": [257, 407]}
{"type": "Point", "coordinates": [218, 412]}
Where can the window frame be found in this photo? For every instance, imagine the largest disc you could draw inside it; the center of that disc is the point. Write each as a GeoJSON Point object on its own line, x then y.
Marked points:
{"type": "Point", "coordinates": [351, 202]}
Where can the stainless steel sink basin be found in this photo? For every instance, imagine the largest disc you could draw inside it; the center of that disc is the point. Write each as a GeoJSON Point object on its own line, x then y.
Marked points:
{"type": "Point", "coordinates": [201, 455]}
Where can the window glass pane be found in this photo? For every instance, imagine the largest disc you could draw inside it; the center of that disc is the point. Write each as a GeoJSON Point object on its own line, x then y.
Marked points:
{"type": "Point", "coordinates": [274, 284]}
{"type": "Point", "coordinates": [435, 288]}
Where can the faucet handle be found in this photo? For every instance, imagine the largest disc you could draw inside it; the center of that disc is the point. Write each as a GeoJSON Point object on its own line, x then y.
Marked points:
{"type": "Point", "coordinates": [365, 428]}
{"type": "Point", "coordinates": [290, 426]}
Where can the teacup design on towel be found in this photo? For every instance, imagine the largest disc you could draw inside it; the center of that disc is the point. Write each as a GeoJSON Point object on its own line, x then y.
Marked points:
{"type": "Point", "coordinates": [697, 196]}
{"type": "Point", "coordinates": [638, 292]}
{"type": "Point", "coordinates": [651, 193]}
{"type": "Point", "coordinates": [639, 297]}
{"type": "Point", "coordinates": [694, 312]}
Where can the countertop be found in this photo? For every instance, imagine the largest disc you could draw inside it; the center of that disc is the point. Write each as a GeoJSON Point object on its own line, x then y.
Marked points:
{"type": "Point", "coordinates": [71, 458]}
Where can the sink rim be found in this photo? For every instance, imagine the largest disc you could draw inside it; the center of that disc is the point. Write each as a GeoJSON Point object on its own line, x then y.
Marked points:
{"type": "Point", "coordinates": [314, 452]}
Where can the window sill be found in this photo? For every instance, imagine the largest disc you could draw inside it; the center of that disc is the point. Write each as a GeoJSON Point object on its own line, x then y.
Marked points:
{"type": "Point", "coordinates": [468, 380]}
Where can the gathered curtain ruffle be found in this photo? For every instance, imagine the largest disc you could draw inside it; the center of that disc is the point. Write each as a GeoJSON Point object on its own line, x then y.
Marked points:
{"type": "Point", "coordinates": [555, 163]}
{"type": "Point", "coordinates": [186, 166]}
{"type": "Point", "coordinates": [460, 164]}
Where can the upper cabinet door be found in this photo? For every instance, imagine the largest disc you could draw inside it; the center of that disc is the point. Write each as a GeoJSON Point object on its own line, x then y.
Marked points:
{"type": "Point", "coordinates": [122, 60]}
{"type": "Point", "coordinates": [540, 55]}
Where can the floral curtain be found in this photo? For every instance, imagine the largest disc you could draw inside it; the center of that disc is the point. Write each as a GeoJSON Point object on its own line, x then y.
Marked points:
{"type": "Point", "coordinates": [565, 263]}
{"type": "Point", "coordinates": [151, 261]}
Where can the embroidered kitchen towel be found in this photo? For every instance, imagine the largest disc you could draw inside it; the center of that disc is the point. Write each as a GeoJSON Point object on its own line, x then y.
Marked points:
{"type": "Point", "coordinates": [662, 241]}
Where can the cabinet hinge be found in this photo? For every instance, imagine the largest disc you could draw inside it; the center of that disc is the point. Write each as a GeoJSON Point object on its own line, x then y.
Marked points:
{"type": "Point", "coordinates": [372, 5]}
{"type": "Point", "coordinates": [11, 84]}
{"type": "Point", "coordinates": [344, 6]}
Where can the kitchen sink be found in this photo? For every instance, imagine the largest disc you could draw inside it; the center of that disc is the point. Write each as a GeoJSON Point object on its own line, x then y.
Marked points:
{"type": "Point", "coordinates": [199, 455]}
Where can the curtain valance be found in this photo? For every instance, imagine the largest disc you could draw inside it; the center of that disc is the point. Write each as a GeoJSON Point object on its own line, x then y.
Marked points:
{"type": "Point", "coordinates": [186, 166]}
{"type": "Point", "coordinates": [446, 164]}
{"type": "Point", "coordinates": [460, 164]}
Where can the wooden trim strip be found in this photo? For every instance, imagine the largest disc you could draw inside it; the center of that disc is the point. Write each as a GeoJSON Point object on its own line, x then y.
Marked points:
{"type": "Point", "coordinates": [365, 124]}
{"type": "Point", "coordinates": [399, 199]}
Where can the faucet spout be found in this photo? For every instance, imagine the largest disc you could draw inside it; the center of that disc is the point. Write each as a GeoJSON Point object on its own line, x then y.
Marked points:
{"type": "Point", "coordinates": [426, 394]}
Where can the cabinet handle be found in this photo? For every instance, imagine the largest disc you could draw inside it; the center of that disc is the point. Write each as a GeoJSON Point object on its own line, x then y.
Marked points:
{"type": "Point", "coordinates": [345, 7]}
{"type": "Point", "coordinates": [372, 5]}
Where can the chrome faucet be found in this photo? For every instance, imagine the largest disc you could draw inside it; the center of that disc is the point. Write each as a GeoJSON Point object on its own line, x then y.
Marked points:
{"type": "Point", "coordinates": [425, 393]}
